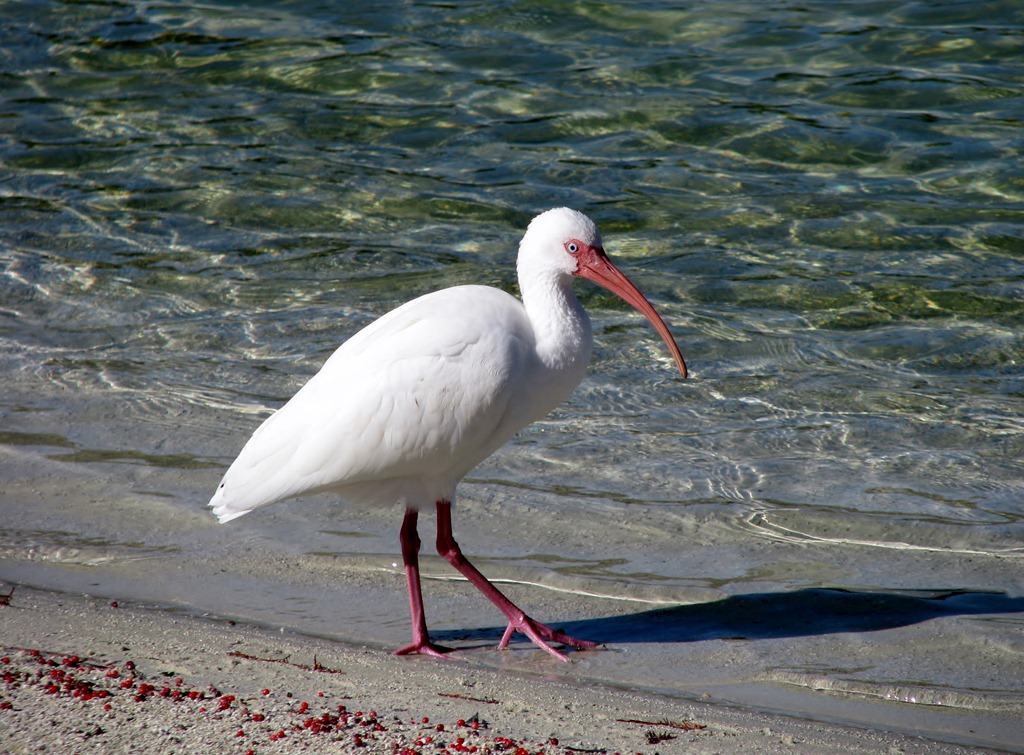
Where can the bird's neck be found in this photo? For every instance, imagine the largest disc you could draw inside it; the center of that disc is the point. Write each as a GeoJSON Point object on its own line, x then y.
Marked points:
{"type": "Point", "coordinates": [560, 324]}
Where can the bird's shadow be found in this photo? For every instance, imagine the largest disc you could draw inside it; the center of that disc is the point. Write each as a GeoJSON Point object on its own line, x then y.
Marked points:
{"type": "Point", "coordinates": [800, 613]}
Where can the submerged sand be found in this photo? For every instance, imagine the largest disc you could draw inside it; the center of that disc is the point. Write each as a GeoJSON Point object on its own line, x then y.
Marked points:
{"type": "Point", "coordinates": [85, 675]}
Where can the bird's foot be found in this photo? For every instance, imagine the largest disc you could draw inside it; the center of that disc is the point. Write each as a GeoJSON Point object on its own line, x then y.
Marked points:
{"type": "Point", "coordinates": [541, 634]}
{"type": "Point", "coordinates": [424, 647]}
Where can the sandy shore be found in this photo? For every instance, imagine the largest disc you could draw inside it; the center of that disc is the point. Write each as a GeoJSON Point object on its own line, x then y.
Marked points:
{"type": "Point", "coordinates": [84, 675]}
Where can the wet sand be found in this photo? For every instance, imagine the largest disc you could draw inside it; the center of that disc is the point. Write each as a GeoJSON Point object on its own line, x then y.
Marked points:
{"type": "Point", "coordinates": [82, 674]}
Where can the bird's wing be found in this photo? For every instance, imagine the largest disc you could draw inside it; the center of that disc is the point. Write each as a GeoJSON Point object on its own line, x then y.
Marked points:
{"type": "Point", "coordinates": [421, 393]}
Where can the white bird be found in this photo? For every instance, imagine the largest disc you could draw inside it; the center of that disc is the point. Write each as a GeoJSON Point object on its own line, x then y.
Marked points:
{"type": "Point", "coordinates": [410, 404]}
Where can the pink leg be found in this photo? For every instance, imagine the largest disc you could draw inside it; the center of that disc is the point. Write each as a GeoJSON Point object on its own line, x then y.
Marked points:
{"type": "Point", "coordinates": [517, 619]}
{"type": "Point", "coordinates": [410, 555]}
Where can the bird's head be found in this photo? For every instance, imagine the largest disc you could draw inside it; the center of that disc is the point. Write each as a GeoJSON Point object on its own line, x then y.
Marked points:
{"type": "Point", "coordinates": [568, 243]}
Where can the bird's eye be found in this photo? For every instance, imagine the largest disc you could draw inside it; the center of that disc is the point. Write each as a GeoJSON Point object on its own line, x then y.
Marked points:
{"type": "Point", "coordinates": [572, 247]}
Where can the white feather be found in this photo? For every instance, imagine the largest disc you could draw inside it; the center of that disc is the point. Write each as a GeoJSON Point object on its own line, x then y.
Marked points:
{"type": "Point", "coordinates": [410, 404]}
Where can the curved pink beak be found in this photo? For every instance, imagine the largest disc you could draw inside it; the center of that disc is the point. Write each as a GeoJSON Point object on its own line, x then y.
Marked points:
{"type": "Point", "coordinates": [594, 265]}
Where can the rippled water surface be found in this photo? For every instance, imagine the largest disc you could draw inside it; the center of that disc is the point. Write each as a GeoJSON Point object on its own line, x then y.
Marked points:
{"type": "Point", "coordinates": [825, 200]}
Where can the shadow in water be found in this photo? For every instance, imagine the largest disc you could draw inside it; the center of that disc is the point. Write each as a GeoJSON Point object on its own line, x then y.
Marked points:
{"type": "Point", "coordinates": [800, 613]}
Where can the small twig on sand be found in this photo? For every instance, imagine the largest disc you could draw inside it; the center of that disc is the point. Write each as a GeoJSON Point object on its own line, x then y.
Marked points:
{"type": "Point", "coordinates": [684, 726]}
{"type": "Point", "coordinates": [317, 666]}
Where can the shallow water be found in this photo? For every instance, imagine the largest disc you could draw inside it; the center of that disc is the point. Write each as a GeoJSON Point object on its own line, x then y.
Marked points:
{"type": "Point", "coordinates": [824, 200]}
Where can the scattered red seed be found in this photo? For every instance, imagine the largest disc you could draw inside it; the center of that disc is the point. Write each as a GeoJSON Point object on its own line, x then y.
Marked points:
{"type": "Point", "coordinates": [113, 604]}
{"type": "Point", "coordinates": [71, 676]}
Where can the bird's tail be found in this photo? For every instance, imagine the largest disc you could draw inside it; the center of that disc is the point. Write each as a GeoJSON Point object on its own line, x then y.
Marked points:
{"type": "Point", "coordinates": [222, 508]}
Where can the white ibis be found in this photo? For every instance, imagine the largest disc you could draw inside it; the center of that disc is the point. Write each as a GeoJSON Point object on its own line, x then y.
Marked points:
{"type": "Point", "coordinates": [409, 405]}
